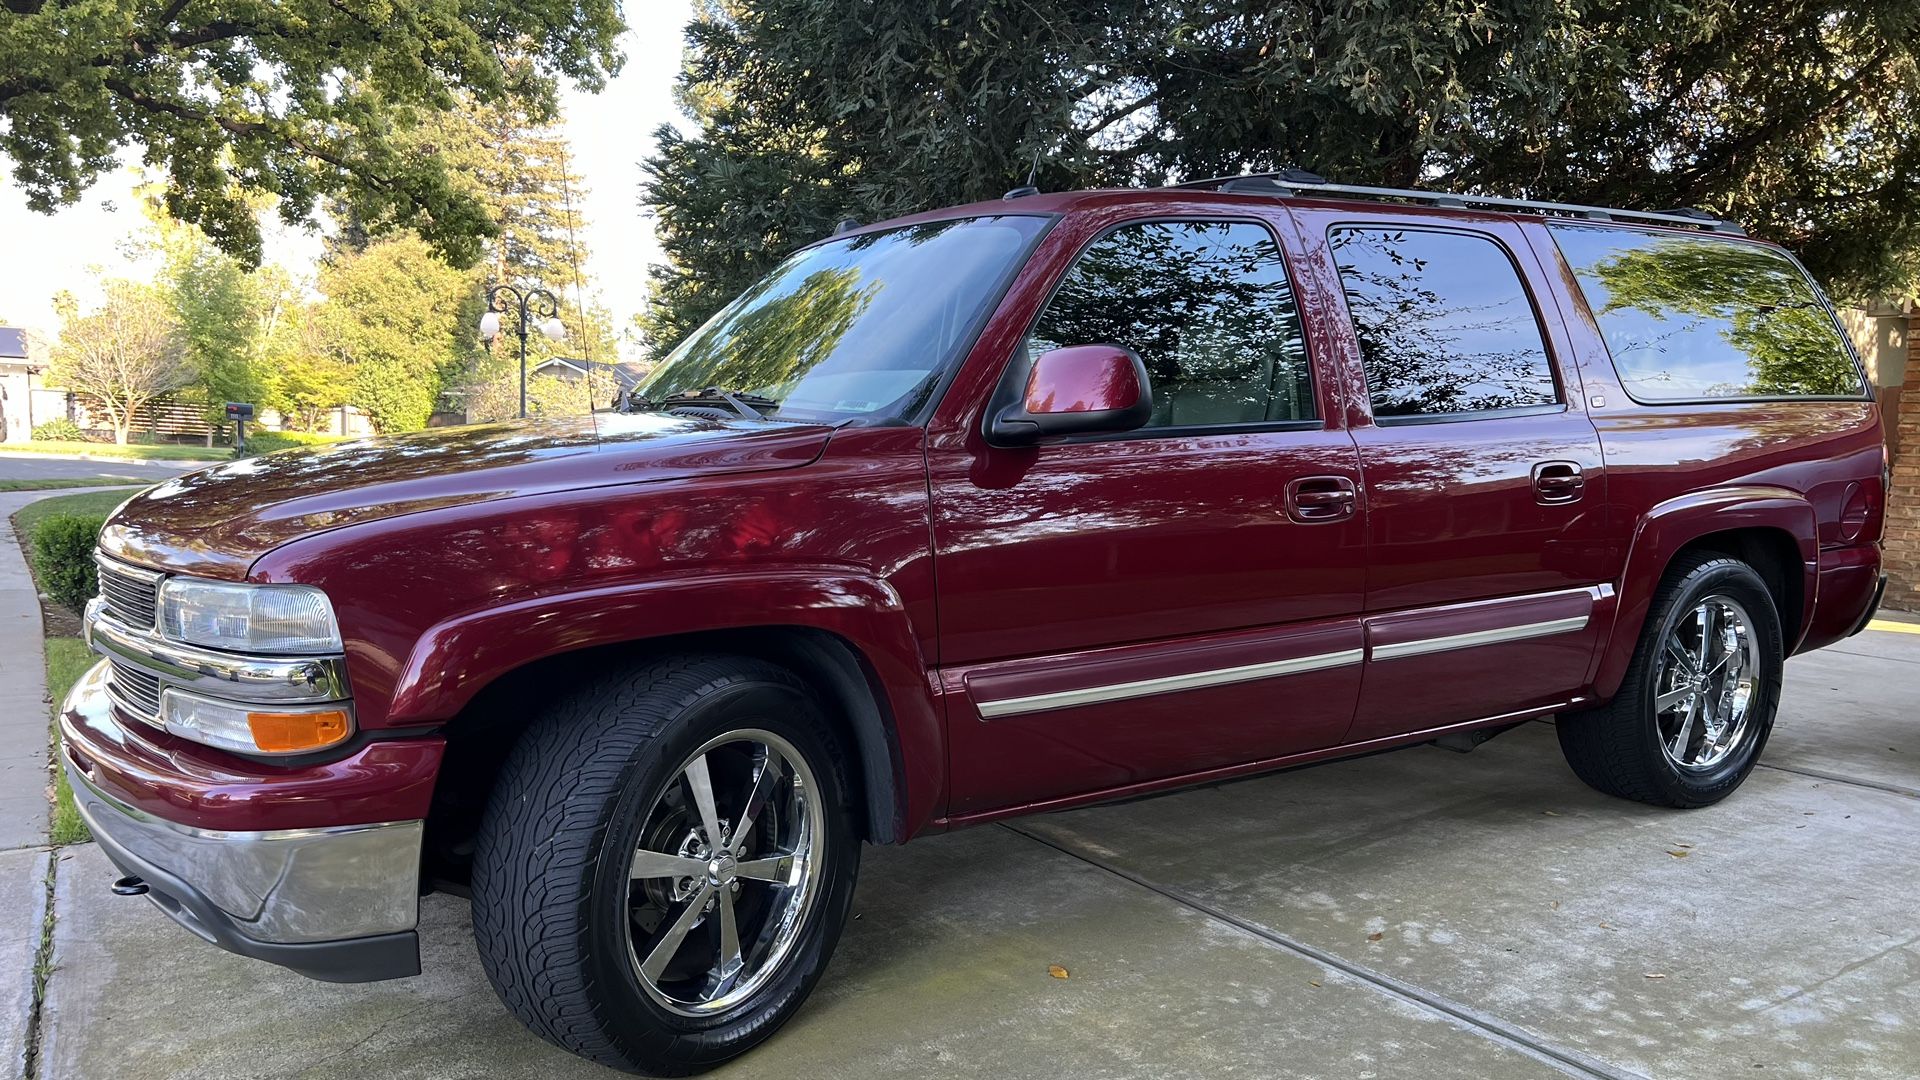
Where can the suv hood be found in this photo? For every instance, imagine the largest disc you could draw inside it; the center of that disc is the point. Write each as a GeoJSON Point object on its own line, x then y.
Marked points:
{"type": "Point", "coordinates": [216, 522]}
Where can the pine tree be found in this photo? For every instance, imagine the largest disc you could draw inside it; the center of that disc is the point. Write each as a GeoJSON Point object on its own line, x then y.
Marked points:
{"type": "Point", "coordinates": [519, 167]}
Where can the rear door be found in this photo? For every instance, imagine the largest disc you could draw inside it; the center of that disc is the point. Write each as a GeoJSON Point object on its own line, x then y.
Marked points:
{"type": "Point", "coordinates": [1488, 549]}
{"type": "Point", "coordinates": [1117, 610]}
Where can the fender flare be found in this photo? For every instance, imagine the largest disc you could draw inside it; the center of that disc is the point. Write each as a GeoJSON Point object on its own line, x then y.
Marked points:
{"type": "Point", "coordinates": [1672, 525]}
{"type": "Point", "coordinates": [860, 630]}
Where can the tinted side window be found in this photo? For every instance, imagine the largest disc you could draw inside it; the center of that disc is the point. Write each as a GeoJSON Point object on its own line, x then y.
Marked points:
{"type": "Point", "coordinates": [1208, 308]}
{"type": "Point", "coordinates": [1443, 321]}
{"type": "Point", "coordinates": [1693, 317]}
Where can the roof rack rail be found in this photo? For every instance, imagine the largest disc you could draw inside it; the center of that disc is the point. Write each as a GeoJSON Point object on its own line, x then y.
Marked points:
{"type": "Point", "coordinates": [1301, 182]}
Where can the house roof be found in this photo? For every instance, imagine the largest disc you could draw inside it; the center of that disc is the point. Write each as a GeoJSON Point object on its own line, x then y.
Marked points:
{"type": "Point", "coordinates": [13, 343]}
{"type": "Point", "coordinates": [625, 376]}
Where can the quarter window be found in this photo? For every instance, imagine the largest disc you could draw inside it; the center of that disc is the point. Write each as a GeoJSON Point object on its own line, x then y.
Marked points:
{"type": "Point", "coordinates": [1691, 317]}
{"type": "Point", "coordinates": [1208, 308]}
{"type": "Point", "coordinates": [1445, 327]}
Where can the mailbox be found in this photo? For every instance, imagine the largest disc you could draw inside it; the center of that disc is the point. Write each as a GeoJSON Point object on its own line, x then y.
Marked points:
{"type": "Point", "coordinates": [239, 410]}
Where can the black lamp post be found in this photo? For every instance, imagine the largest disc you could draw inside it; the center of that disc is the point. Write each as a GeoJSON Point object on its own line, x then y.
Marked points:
{"type": "Point", "coordinates": [539, 303]}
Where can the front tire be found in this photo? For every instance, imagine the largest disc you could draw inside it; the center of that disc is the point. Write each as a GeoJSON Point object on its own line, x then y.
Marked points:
{"type": "Point", "coordinates": [666, 863]}
{"type": "Point", "coordinates": [1698, 700]}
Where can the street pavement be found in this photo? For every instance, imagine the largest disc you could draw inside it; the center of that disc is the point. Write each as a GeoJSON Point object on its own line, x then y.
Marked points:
{"type": "Point", "coordinates": [1421, 915]}
{"type": "Point", "coordinates": [45, 467]}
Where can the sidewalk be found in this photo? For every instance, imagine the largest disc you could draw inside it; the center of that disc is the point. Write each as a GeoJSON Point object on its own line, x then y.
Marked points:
{"type": "Point", "coordinates": [23, 687]}
{"type": "Point", "coordinates": [24, 712]}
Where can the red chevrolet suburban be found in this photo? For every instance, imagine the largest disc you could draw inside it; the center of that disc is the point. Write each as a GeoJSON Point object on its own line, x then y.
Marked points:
{"type": "Point", "coordinates": [988, 511]}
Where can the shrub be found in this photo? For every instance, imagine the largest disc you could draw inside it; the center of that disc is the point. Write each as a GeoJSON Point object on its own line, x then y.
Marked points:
{"type": "Point", "coordinates": [63, 546]}
{"type": "Point", "coordinates": [59, 429]}
{"type": "Point", "coordinates": [266, 442]}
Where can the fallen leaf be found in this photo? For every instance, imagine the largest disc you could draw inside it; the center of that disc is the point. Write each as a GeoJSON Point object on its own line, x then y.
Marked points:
{"type": "Point", "coordinates": [1313, 982]}
{"type": "Point", "coordinates": [1606, 926]}
{"type": "Point", "coordinates": [1056, 971]}
{"type": "Point", "coordinates": [1655, 975]}
{"type": "Point", "coordinates": [1678, 854]}
{"type": "Point", "coordinates": [1680, 845]}
{"type": "Point", "coordinates": [1550, 813]}
{"type": "Point", "coordinates": [1375, 936]}
{"type": "Point", "coordinates": [1556, 905]}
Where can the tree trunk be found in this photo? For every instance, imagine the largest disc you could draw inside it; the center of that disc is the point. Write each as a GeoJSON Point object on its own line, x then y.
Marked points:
{"type": "Point", "coordinates": [120, 431]}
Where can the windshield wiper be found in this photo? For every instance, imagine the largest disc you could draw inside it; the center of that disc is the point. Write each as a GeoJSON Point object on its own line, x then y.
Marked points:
{"type": "Point", "coordinates": [749, 406]}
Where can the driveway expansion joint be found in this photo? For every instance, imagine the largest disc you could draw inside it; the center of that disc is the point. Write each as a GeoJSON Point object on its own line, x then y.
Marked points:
{"type": "Point", "coordinates": [1565, 1060]}
{"type": "Point", "coordinates": [1836, 778]}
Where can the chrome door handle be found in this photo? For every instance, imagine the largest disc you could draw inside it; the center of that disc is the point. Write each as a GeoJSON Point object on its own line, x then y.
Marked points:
{"type": "Point", "coordinates": [1315, 499]}
{"type": "Point", "coordinates": [1558, 482]}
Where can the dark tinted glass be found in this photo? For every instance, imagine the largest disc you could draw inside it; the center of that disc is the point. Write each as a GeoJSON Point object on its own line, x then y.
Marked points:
{"type": "Point", "coordinates": [1208, 308]}
{"type": "Point", "coordinates": [1695, 317]}
{"type": "Point", "coordinates": [855, 327]}
{"type": "Point", "coordinates": [1443, 322]}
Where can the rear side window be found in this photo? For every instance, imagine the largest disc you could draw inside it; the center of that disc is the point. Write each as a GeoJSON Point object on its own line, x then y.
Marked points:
{"type": "Point", "coordinates": [1207, 306]}
{"type": "Point", "coordinates": [1445, 327]}
{"type": "Point", "coordinates": [1691, 317]}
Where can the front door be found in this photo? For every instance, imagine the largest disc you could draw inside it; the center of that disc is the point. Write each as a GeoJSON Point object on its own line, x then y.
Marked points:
{"type": "Point", "coordinates": [1488, 544]}
{"type": "Point", "coordinates": [1116, 610]}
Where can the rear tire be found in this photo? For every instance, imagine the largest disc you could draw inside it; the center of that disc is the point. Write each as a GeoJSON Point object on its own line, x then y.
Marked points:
{"type": "Point", "coordinates": [1681, 732]}
{"type": "Point", "coordinates": [598, 847]}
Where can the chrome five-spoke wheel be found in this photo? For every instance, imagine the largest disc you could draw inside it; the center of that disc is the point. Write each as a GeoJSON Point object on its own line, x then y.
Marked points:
{"type": "Point", "coordinates": [1696, 702]}
{"type": "Point", "coordinates": [1704, 683]}
{"type": "Point", "coordinates": [725, 873]}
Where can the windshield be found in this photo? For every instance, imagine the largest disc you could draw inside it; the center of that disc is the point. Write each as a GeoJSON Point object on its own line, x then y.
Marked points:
{"type": "Point", "coordinates": [860, 327]}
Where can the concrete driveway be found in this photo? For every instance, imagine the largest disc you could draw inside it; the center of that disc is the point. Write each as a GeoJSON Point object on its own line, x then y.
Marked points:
{"type": "Point", "coordinates": [44, 467]}
{"type": "Point", "coordinates": [1418, 914]}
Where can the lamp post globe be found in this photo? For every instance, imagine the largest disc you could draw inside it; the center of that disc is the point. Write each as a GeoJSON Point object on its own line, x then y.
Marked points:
{"type": "Point", "coordinates": [528, 304]}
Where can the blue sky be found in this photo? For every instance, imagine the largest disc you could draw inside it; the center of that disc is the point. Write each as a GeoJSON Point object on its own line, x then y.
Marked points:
{"type": "Point", "coordinates": [611, 133]}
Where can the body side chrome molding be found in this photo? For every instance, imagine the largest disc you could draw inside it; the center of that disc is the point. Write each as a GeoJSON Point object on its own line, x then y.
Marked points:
{"type": "Point", "coordinates": [1495, 636]}
{"type": "Point", "coordinates": [1091, 695]}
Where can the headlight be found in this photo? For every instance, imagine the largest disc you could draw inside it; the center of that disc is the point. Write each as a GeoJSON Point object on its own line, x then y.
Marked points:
{"type": "Point", "coordinates": [292, 620]}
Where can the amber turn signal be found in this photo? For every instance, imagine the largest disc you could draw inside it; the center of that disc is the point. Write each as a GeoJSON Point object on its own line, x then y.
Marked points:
{"type": "Point", "coordinates": [291, 732]}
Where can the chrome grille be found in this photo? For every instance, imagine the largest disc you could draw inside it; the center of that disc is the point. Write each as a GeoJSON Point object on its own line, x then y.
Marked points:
{"type": "Point", "coordinates": [136, 692]}
{"type": "Point", "coordinates": [130, 593]}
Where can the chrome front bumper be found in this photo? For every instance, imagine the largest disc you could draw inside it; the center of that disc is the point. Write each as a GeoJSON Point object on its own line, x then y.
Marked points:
{"type": "Point", "coordinates": [338, 904]}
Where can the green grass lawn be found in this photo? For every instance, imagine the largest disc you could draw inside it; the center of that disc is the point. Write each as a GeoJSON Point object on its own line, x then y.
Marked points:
{"type": "Point", "coordinates": [67, 660]}
{"type": "Point", "coordinates": [132, 451]}
{"type": "Point", "coordinates": [87, 502]}
{"type": "Point", "coordinates": [54, 484]}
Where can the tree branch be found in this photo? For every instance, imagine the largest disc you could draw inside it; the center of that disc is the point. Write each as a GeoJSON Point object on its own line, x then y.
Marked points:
{"type": "Point", "coordinates": [244, 129]}
{"type": "Point", "coordinates": [1114, 118]}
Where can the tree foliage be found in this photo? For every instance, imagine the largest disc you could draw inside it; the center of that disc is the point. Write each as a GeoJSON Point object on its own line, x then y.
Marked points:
{"type": "Point", "coordinates": [128, 352]}
{"type": "Point", "coordinates": [222, 309]}
{"type": "Point", "coordinates": [305, 99]}
{"type": "Point", "coordinates": [402, 318]}
{"type": "Point", "coordinates": [1802, 121]}
{"type": "Point", "coordinates": [517, 166]}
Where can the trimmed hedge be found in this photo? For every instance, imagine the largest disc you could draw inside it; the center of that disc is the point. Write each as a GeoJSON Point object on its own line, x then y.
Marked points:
{"type": "Point", "coordinates": [266, 442]}
{"type": "Point", "coordinates": [63, 547]}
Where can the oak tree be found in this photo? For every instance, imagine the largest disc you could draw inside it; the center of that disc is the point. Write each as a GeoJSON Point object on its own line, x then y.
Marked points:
{"type": "Point", "coordinates": [299, 98]}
